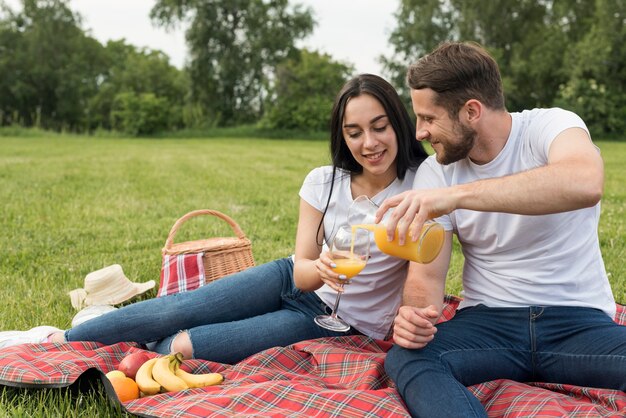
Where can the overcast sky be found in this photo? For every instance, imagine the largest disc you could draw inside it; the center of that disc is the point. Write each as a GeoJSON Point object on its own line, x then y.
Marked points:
{"type": "Point", "coordinates": [355, 31]}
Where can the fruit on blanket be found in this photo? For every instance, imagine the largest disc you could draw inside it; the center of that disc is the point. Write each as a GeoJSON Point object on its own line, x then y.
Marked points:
{"type": "Point", "coordinates": [164, 372]}
{"type": "Point", "coordinates": [200, 380]}
{"type": "Point", "coordinates": [146, 383]}
{"type": "Point", "coordinates": [132, 362]}
{"type": "Point", "coordinates": [115, 373]}
{"type": "Point", "coordinates": [125, 388]}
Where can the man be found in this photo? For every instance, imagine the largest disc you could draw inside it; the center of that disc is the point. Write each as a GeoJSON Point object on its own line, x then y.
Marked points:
{"type": "Point", "coordinates": [522, 192]}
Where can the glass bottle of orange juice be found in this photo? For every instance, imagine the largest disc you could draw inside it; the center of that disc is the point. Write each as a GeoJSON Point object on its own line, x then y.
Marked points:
{"type": "Point", "coordinates": [424, 250]}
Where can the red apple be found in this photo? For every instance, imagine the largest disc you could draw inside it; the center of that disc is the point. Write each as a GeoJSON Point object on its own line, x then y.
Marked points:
{"type": "Point", "coordinates": [132, 362]}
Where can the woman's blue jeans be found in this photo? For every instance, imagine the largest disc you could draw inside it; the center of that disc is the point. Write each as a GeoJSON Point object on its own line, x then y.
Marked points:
{"type": "Point", "coordinates": [227, 320]}
{"type": "Point", "coordinates": [570, 345]}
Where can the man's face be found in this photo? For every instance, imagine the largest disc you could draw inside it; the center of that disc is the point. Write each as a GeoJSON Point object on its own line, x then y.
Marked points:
{"type": "Point", "coordinates": [450, 138]}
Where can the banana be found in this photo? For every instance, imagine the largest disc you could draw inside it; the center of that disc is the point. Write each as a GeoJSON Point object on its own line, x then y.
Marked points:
{"type": "Point", "coordinates": [162, 373]}
{"type": "Point", "coordinates": [144, 378]}
{"type": "Point", "coordinates": [179, 358]}
{"type": "Point", "coordinates": [200, 380]}
{"type": "Point", "coordinates": [175, 360]}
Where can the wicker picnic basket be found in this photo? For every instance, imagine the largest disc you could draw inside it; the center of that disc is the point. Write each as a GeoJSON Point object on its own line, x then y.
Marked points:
{"type": "Point", "coordinates": [222, 255]}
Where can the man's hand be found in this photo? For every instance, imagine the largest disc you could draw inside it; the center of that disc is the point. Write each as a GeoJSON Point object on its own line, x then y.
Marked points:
{"type": "Point", "coordinates": [415, 207]}
{"type": "Point", "coordinates": [414, 327]}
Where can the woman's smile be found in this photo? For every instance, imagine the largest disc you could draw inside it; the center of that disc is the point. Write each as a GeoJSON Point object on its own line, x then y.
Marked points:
{"type": "Point", "coordinates": [375, 158]}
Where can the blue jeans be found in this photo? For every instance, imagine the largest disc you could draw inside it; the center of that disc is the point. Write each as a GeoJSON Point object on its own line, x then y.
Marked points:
{"type": "Point", "coordinates": [227, 320]}
{"type": "Point", "coordinates": [570, 345]}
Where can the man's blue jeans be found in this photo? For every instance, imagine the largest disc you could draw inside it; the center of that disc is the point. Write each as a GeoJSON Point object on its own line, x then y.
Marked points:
{"type": "Point", "coordinates": [227, 320]}
{"type": "Point", "coordinates": [570, 345]}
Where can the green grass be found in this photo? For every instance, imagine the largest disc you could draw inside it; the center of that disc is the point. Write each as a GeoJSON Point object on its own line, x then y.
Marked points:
{"type": "Point", "coordinates": [71, 205]}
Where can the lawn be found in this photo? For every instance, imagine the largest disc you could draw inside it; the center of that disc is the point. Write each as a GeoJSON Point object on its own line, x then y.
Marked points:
{"type": "Point", "coordinates": [72, 205]}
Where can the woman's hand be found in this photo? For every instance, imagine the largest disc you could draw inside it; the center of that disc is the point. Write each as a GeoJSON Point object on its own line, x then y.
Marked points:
{"type": "Point", "coordinates": [324, 266]}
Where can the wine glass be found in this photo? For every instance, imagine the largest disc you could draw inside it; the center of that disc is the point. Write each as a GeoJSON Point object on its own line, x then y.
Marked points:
{"type": "Point", "coordinates": [362, 211]}
{"type": "Point", "coordinates": [350, 250]}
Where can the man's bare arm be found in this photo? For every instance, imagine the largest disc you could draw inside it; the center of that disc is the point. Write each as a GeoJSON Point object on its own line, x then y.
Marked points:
{"type": "Point", "coordinates": [422, 300]}
{"type": "Point", "coordinates": [572, 179]}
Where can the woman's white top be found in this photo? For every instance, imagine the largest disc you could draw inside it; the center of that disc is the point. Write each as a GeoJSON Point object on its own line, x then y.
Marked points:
{"type": "Point", "coordinates": [370, 302]}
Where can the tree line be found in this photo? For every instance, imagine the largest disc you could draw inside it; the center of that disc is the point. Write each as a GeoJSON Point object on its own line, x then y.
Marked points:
{"type": "Point", "coordinates": [244, 66]}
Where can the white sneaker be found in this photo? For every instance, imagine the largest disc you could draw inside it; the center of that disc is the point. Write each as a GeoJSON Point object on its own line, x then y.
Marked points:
{"type": "Point", "coordinates": [91, 312]}
{"type": "Point", "coordinates": [34, 335]}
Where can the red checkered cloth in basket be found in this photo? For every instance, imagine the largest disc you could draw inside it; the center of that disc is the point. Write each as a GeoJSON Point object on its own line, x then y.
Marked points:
{"type": "Point", "coordinates": [181, 273]}
{"type": "Point", "coordinates": [341, 376]}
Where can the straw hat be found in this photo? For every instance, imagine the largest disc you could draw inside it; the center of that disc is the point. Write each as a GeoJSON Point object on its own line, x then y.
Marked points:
{"type": "Point", "coordinates": [107, 286]}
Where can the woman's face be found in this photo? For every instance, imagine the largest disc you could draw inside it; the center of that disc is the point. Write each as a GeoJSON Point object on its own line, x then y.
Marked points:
{"type": "Point", "coordinates": [370, 136]}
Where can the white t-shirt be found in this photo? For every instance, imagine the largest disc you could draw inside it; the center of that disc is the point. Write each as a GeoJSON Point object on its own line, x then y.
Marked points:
{"type": "Point", "coordinates": [372, 299]}
{"type": "Point", "coordinates": [517, 260]}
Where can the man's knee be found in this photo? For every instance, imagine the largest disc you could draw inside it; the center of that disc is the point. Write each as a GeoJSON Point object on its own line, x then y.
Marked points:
{"type": "Point", "coordinates": [396, 360]}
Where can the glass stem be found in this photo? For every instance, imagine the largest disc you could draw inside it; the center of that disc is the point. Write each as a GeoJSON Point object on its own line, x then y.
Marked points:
{"type": "Point", "coordinates": [334, 312]}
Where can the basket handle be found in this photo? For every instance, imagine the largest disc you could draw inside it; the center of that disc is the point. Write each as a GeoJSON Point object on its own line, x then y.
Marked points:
{"type": "Point", "coordinates": [236, 229]}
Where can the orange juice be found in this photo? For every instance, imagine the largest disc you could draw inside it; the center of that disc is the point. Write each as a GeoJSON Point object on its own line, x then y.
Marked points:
{"type": "Point", "coordinates": [349, 266]}
{"type": "Point", "coordinates": [423, 251]}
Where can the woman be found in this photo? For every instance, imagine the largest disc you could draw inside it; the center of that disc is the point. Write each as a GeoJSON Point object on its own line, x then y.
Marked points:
{"type": "Point", "coordinates": [374, 153]}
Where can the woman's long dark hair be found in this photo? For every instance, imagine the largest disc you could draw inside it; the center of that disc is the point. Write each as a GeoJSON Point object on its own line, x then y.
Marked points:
{"type": "Point", "coordinates": [410, 154]}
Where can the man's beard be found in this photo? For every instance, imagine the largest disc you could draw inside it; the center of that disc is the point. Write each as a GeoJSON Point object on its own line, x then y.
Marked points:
{"type": "Point", "coordinates": [460, 150]}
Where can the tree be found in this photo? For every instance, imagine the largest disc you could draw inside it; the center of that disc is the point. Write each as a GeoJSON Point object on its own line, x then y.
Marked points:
{"type": "Point", "coordinates": [421, 25]}
{"type": "Point", "coordinates": [305, 87]}
{"type": "Point", "coordinates": [234, 46]}
{"type": "Point", "coordinates": [528, 38]}
{"type": "Point", "coordinates": [49, 67]}
{"type": "Point", "coordinates": [596, 86]}
{"type": "Point", "coordinates": [135, 76]}
{"type": "Point", "coordinates": [139, 114]}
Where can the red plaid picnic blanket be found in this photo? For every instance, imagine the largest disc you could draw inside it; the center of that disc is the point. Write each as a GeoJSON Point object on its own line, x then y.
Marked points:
{"type": "Point", "coordinates": [342, 376]}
